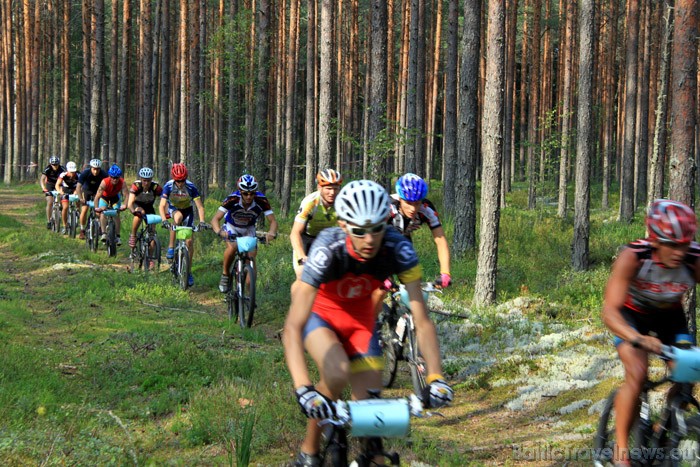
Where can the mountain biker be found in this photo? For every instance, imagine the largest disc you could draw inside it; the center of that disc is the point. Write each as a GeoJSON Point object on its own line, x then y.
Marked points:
{"type": "Point", "coordinates": [110, 194]}
{"type": "Point", "coordinates": [48, 183]}
{"type": "Point", "coordinates": [331, 318]}
{"type": "Point", "coordinates": [142, 196]}
{"type": "Point", "coordinates": [316, 212]}
{"type": "Point", "coordinates": [240, 211]}
{"type": "Point", "coordinates": [88, 182]}
{"type": "Point", "coordinates": [176, 203]}
{"type": "Point", "coordinates": [66, 185]}
{"type": "Point", "coordinates": [642, 305]}
{"type": "Point", "coordinates": [410, 209]}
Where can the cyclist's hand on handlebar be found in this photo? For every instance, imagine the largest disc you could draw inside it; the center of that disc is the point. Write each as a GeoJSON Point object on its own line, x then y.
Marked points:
{"type": "Point", "coordinates": [648, 343]}
{"type": "Point", "coordinates": [122, 208]}
{"type": "Point", "coordinates": [444, 280]}
{"type": "Point", "coordinates": [99, 209]}
{"type": "Point", "coordinates": [165, 224]}
{"type": "Point", "coordinates": [203, 226]}
{"type": "Point", "coordinates": [269, 237]}
{"type": "Point", "coordinates": [437, 394]}
{"type": "Point", "coordinates": [313, 404]}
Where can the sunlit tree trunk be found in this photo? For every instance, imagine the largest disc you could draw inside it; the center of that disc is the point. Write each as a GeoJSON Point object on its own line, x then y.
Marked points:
{"type": "Point", "coordinates": [566, 111]}
{"type": "Point", "coordinates": [289, 144]}
{"type": "Point", "coordinates": [627, 166]}
{"type": "Point", "coordinates": [450, 138]}
{"type": "Point", "coordinates": [642, 122]}
{"type": "Point", "coordinates": [259, 141]}
{"type": "Point", "coordinates": [112, 103]}
{"type": "Point", "coordinates": [377, 91]}
{"type": "Point", "coordinates": [509, 107]}
{"type": "Point", "coordinates": [310, 128]}
{"type": "Point", "coordinates": [524, 64]}
{"type": "Point", "coordinates": [325, 99]}
{"type": "Point", "coordinates": [584, 132]}
{"type": "Point", "coordinates": [492, 149]}
{"type": "Point", "coordinates": [123, 118]}
{"type": "Point", "coordinates": [533, 111]}
{"type": "Point", "coordinates": [86, 81]}
{"type": "Point", "coordinates": [164, 91]}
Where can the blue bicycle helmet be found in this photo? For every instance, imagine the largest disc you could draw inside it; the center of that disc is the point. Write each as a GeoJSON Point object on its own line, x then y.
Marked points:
{"type": "Point", "coordinates": [410, 187]}
{"type": "Point", "coordinates": [115, 171]}
{"type": "Point", "coordinates": [247, 183]}
{"type": "Point", "coordinates": [54, 160]}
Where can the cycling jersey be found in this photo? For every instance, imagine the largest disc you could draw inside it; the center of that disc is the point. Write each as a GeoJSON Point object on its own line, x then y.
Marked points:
{"type": "Point", "coordinates": [111, 190]}
{"type": "Point", "coordinates": [180, 198]}
{"type": "Point", "coordinates": [145, 198]}
{"type": "Point", "coordinates": [345, 282]}
{"type": "Point", "coordinates": [52, 176]}
{"type": "Point", "coordinates": [89, 183]}
{"type": "Point", "coordinates": [238, 216]}
{"type": "Point", "coordinates": [426, 215]}
{"type": "Point", "coordinates": [315, 215]}
{"type": "Point", "coordinates": [656, 288]}
{"type": "Point", "coordinates": [67, 181]}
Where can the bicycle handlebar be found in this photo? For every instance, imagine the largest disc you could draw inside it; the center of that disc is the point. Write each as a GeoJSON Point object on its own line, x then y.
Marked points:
{"type": "Point", "coordinates": [196, 228]}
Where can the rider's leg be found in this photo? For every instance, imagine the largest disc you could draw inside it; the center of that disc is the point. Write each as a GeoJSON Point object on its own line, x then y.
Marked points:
{"type": "Point", "coordinates": [83, 216]}
{"type": "Point", "coordinates": [229, 254]}
{"type": "Point", "coordinates": [636, 363]}
{"type": "Point", "coordinates": [64, 212]}
{"type": "Point", "coordinates": [333, 365]}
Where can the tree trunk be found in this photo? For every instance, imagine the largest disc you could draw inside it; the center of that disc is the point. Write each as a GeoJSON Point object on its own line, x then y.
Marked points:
{"type": "Point", "coordinates": [584, 144]}
{"type": "Point", "coordinates": [492, 149]}
{"type": "Point", "coordinates": [310, 128]}
{"type": "Point", "coordinates": [86, 82]}
{"type": "Point", "coordinates": [656, 165]}
{"type": "Point", "coordinates": [290, 110]}
{"type": "Point", "coordinates": [450, 141]}
{"type": "Point", "coordinates": [410, 163]}
{"type": "Point", "coordinates": [682, 164]}
{"type": "Point", "coordinates": [325, 99]}
{"type": "Point", "coordinates": [627, 167]}
{"type": "Point", "coordinates": [377, 93]}
{"type": "Point", "coordinates": [112, 104]}
{"type": "Point", "coordinates": [642, 125]}
{"type": "Point", "coordinates": [524, 61]}
{"type": "Point", "coordinates": [533, 111]}
{"type": "Point", "coordinates": [467, 151]}
{"type": "Point", "coordinates": [509, 107]}
{"type": "Point", "coordinates": [164, 92]}
{"type": "Point", "coordinates": [123, 119]}
{"type": "Point", "coordinates": [566, 111]}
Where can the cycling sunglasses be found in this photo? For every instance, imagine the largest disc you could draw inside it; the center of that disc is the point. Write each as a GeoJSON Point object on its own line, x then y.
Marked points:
{"type": "Point", "coordinates": [247, 193]}
{"type": "Point", "coordinates": [362, 231]}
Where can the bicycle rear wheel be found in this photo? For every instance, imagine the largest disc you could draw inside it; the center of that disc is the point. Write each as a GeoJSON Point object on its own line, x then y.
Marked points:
{"type": "Point", "coordinates": [389, 344]}
{"type": "Point", "coordinates": [416, 362]}
{"type": "Point", "coordinates": [246, 302]}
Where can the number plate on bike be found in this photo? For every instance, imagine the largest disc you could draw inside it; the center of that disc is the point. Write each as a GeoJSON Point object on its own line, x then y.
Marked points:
{"type": "Point", "coordinates": [386, 418]}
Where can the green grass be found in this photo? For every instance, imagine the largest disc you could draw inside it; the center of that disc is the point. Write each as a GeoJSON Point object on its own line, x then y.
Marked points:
{"type": "Point", "coordinates": [101, 366]}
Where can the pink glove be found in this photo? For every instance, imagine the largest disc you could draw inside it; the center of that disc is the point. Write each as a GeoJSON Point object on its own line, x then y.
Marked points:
{"type": "Point", "coordinates": [387, 285]}
{"type": "Point", "coordinates": [445, 280]}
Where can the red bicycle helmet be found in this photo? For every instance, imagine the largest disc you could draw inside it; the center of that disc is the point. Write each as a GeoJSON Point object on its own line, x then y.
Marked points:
{"type": "Point", "coordinates": [329, 177]}
{"type": "Point", "coordinates": [179, 172]}
{"type": "Point", "coordinates": [671, 221]}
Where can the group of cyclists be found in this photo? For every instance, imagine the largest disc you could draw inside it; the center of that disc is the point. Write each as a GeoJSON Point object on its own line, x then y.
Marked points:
{"type": "Point", "coordinates": [347, 240]}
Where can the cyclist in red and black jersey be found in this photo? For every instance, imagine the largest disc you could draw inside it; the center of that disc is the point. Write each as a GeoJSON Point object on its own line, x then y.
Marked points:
{"type": "Point", "coordinates": [48, 183]}
{"type": "Point", "coordinates": [331, 314]}
{"type": "Point", "coordinates": [110, 194]}
{"type": "Point", "coordinates": [642, 304]}
{"type": "Point", "coordinates": [142, 197]}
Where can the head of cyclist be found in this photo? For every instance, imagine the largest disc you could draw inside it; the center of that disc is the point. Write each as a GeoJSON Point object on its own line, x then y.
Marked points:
{"type": "Point", "coordinates": [179, 173]}
{"type": "Point", "coordinates": [671, 226]}
{"type": "Point", "coordinates": [115, 173]}
{"type": "Point", "coordinates": [54, 161]}
{"type": "Point", "coordinates": [411, 190]}
{"type": "Point", "coordinates": [247, 186]}
{"type": "Point", "coordinates": [95, 166]}
{"type": "Point", "coordinates": [71, 168]}
{"type": "Point", "coordinates": [363, 208]}
{"type": "Point", "coordinates": [146, 176]}
{"type": "Point", "coordinates": [329, 182]}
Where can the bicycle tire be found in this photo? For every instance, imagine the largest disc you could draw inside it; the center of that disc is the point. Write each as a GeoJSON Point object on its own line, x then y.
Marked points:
{"type": "Point", "coordinates": [111, 238]}
{"type": "Point", "coordinates": [335, 446]}
{"type": "Point", "coordinates": [72, 222]}
{"type": "Point", "coordinates": [183, 267]}
{"type": "Point", "coordinates": [389, 346]}
{"type": "Point", "coordinates": [246, 302]}
{"type": "Point", "coordinates": [95, 232]}
{"type": "Point", "coordinates": [142, 247]}
{"type": "Point", "coordinates": [416, 362]}
{"type": "Point", "coordinates": [55, 218]}
{"type": "Point", "coordinates": [156, 256]}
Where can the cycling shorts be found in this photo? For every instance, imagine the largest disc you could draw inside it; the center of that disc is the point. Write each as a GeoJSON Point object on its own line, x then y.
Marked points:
{"type": "Point", "coordinates": [66, 192]}
{"type": "Point", "coordinates": [187, 215]}
{"type": "Point", "coordinates": [669, 326]}
{"type": "Point", "coordinates": [114, 203]}
{"type": "Point", "coordinates": [88, 195]}
{"type": "Point", "coordinates": [147, 208]}
{"type": "Point", "coordinates": [360, 343]}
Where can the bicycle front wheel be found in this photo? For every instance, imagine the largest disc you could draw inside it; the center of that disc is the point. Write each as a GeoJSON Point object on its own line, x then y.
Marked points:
{"type": "Point", "coordinates": [246, 302]}
{"type": "Point", "coordinates": [232, 294]}
{"type": "Point", "coordinates": [55, 218]}
{"type": "Point", "coordinates": [111, 238]}
{"type": "Point", "coordinates": [390, 346]}
{"type": "Point", "coordinates": [416, 362]}
{"type": "Point", "coordinates": [183, 267]}
{"type": "Point", "coordinates": [94, 235]}
{"type": "Point", "coordinates": [73, 223]}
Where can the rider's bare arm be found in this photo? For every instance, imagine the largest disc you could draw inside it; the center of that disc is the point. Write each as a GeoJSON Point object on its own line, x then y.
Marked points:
{"type": "Point", "coordinates": [425, 329]}
{"type": "Point", "coordinates": [299, 312]}
{"type": "Point", "coordinates": [443, 249]}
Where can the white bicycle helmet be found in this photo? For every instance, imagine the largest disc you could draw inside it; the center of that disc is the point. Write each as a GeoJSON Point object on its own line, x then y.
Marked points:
{"type": "Point", "coordinates": [71, 167]}
{"type": "Point", "coordinates": [362, 203]}
{"type": "Point", "coordinates": [95, 163]}
{"type": "Point", "coordinates": [146, 172]}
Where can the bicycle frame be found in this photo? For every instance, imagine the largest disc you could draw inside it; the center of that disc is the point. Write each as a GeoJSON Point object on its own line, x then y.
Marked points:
{"type": "Point", "coordinates": [141, 255]}
{"type": "Point", "coordinates": [55, 212]}
{"type": "Point", "coordinates": [93, 229]}
{"type": "Point", "coordinates": [240, 299]}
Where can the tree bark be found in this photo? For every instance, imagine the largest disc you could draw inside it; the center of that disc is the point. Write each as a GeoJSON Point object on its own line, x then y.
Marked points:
{"type": "Point", "coordinates": [310, 127]}
{"type": "Point", "coordinates": [566, 110]}
{"type": "Point", "coordinates": [584, 131]}
{"type": "Point", "coordinates": [325, 98]}
{"type": "Point", "coordinates": [492, 148]}
{"type": "Point", "coordinates": [627, 167]}
{"type": "Point", "coordinates": [377, 93]}
{"type": "Point", "coordinates": [450, 138]}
